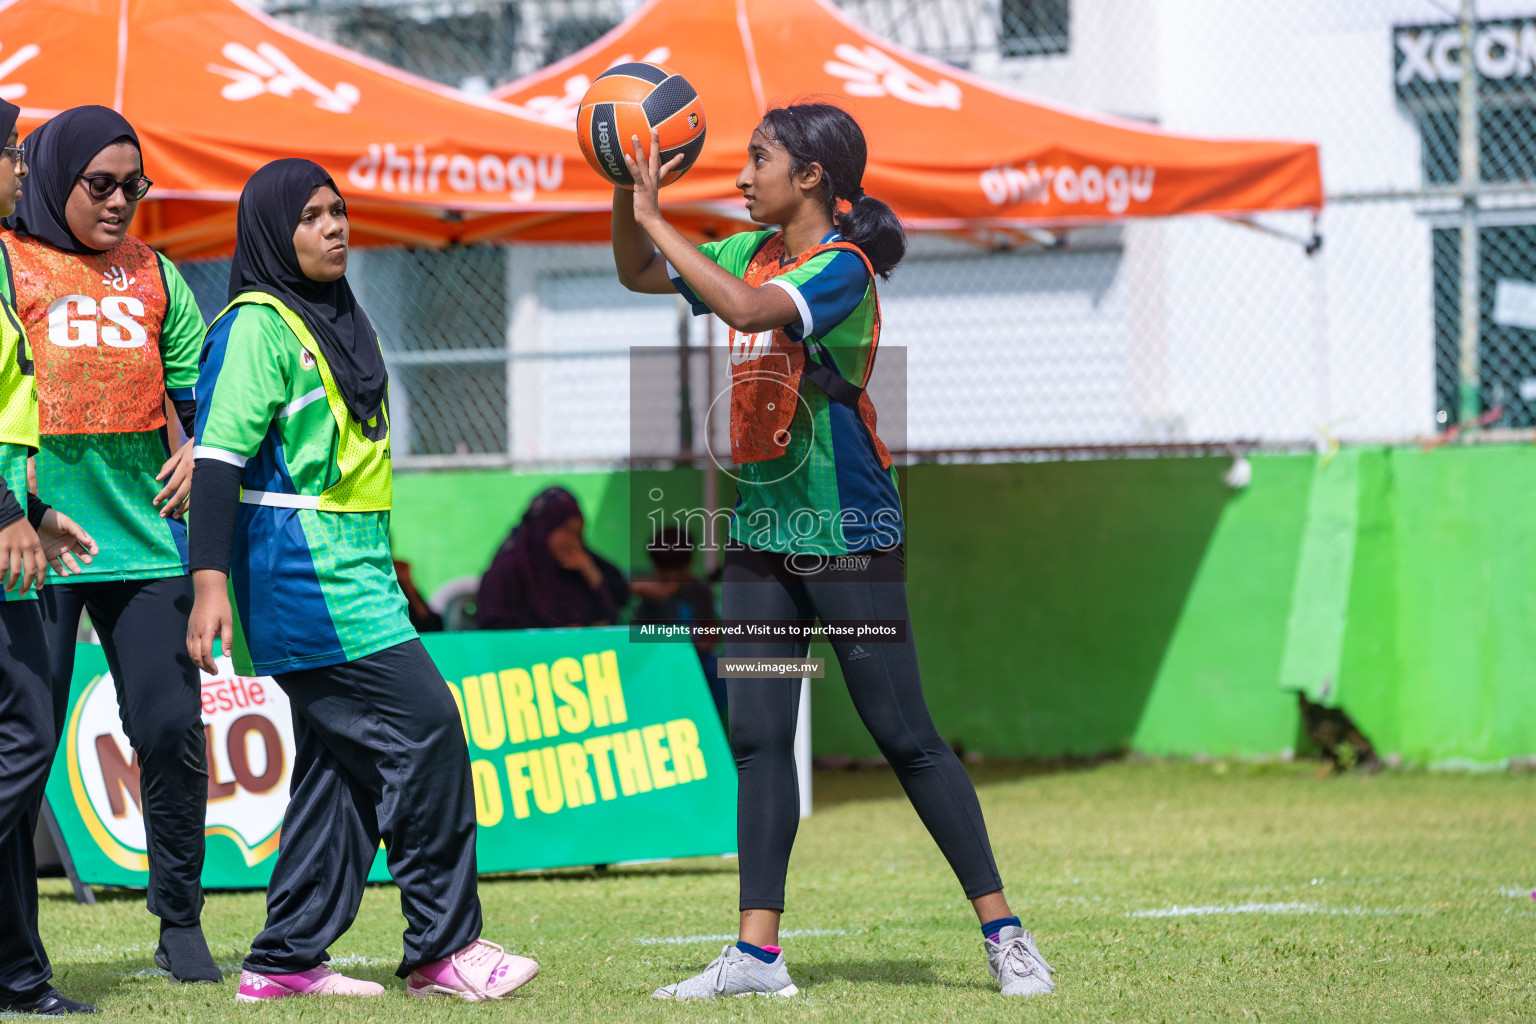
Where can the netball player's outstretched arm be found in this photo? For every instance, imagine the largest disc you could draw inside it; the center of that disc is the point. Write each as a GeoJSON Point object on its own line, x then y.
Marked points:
{"type": "Point", "coordinates": [643, 269]}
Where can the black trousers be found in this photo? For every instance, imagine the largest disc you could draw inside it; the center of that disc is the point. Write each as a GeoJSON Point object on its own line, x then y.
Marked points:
{"type": "Point", "coordinates": [143, 629]}
{"type": "Point", "coordinates": [887, 691]}
{"type": "Point", "coordinates": [379, 754]}
{"type": "Point", "coordinates": [26, 751]}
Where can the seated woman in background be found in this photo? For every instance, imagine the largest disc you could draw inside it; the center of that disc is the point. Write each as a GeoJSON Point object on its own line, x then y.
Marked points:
{"type": "Point", "coordinates": [544, 577]}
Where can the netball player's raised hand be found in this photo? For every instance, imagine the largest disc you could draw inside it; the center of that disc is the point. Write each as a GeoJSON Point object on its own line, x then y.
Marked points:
{"type": "Point", "coordinates": [648, 173]}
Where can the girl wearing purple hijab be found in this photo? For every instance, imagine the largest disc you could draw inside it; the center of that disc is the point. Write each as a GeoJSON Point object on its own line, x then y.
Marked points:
{"type": "Point", "coordinates": [544, 577]}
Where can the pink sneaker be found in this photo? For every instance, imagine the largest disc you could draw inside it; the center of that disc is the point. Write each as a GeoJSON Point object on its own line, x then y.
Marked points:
{"type": "Point", "coordinates": [317, 981]}
{"type": "Point", "coordinates": [481, 970]}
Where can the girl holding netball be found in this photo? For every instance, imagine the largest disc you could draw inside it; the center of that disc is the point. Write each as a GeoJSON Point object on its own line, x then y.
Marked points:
{"type": "Point", "coordinates": [815, 483]}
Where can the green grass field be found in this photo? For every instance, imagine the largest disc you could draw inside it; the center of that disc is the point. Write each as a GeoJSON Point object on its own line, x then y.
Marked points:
{"type": "Point", "coordinates": [1159, 893]}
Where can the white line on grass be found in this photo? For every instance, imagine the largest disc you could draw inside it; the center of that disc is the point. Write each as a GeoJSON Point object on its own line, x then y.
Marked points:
{"type": "Point", "coordinates": [686, 940]}
{"type": "Point", "coordinates": [1262, 908]}
{"type": "Point", "coordinates": [1514, 893]}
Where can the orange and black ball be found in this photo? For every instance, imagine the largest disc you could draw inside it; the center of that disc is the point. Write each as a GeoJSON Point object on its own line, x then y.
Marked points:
{"type": "Point", "coordinates": [632, 99]}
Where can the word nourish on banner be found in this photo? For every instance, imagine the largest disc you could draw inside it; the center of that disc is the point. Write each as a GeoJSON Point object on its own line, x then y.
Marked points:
{"type": "Point", "coordinates": [556, 701]}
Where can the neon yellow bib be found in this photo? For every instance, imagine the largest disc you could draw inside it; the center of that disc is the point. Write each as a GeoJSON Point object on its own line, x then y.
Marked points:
{"type": "Point", "coordinates": [18, 387]}
{"type": "Point", "coordinates": [366, 484]}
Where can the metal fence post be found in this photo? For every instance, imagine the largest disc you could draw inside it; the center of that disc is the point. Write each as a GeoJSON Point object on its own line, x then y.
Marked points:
{"type": "Point", "coordinates": [684, 388]}
{"type": "Point", "coordinates": [712, 546]}
{"type": "Point", "coordinates": [1471, 170]}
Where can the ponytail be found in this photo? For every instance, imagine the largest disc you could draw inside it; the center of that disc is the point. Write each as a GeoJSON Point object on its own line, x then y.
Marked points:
{"type": "Point", "coordinates": [821, 133]}
{"type": "Point", "coordinates": [875, 229]}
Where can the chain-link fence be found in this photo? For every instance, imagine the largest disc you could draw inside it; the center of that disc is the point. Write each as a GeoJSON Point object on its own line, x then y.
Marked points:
{"type": "Point", "coordinates": [1151, 335]}
{"type": "Point", "coordinates": [473, 45]}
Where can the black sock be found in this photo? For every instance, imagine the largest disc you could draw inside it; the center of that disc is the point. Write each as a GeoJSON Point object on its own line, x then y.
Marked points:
{"type": "Point", "coordinates": [186, 953]}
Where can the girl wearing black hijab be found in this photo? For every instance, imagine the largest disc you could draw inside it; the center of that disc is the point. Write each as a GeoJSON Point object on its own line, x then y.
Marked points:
{"type": "Point", "coordinates": [114, 332]}
{"type": "Point", "coordinates": [293, 494]}
{"type": "Point", "coordinates": [32, 537]}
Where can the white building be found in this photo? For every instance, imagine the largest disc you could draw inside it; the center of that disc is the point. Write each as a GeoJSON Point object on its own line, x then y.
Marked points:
{"type": "Point", "coordinates": [1188, 331]}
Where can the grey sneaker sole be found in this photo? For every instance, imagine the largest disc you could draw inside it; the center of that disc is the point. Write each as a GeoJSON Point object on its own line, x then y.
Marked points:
{"type": "Point", "coordinates": [788, 990]}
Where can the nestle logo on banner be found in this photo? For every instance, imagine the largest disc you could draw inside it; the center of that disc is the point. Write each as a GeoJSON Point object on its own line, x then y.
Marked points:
{"type": "Point", "coordinates": [386, 169]}
{"type": "Point", "coordinates": [248, 733]}
{"type": "Point", "coordinates": [1428, 60]}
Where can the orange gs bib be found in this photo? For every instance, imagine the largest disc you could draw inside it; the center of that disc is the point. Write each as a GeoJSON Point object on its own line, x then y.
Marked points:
{"type": "Point", "coordinates": [94, 322]}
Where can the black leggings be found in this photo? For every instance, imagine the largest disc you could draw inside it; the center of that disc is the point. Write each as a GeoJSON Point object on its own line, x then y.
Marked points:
{"type": "Point", "coordinates": [883, 681]}
{"type": "Point", "coordinates": [378, 754]}
{"type": "Point", "coordinates": [26, 751]}
{"type": "Point", "coordinates": [143, 630]}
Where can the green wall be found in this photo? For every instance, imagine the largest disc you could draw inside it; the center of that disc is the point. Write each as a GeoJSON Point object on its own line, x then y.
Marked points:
{"type": "Point", "coordinates": [449, 524]}
{"type": "Point", "coordinates": [1441, 658]}
{"type": "Point", "coordinates": [1085, 607]}
{"type": "Point", "coordinates": [1044, 598]}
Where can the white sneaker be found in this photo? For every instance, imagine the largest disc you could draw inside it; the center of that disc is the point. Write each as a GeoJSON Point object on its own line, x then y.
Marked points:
{"type": "Point", "coordinates": [1017, 965]}
{"type": "Point", "coordinates": [734, 973]}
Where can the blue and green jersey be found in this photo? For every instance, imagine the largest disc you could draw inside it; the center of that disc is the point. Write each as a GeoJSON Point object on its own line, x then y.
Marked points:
{"type": "Point", "coordinates": [106, 481]}
{"type": "Point", "coordinates": [311, 588]}
{"type": "Point", "coordinates": [828, 493]}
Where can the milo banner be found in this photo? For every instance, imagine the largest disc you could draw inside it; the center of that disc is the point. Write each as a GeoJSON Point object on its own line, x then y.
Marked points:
{"type": "Point", "coordinates": [584, 749]}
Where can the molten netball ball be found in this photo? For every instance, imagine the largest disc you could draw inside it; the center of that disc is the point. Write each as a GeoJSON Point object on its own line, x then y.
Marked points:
{"type": "Point", "coordinates": [632, 99]}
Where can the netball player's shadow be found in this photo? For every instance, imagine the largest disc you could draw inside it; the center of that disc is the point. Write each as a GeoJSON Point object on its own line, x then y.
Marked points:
{"type": "Point", "coordinates": [120, 980]}
{"type": "Point", "coordinates": [883, 972]}
{"type": "Point", "coordinates": [613, 872]}
{"type": "Point", "coordinates": [103, 894]}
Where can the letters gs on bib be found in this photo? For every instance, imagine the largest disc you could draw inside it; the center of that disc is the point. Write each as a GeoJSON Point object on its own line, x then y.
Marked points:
{"type": "Point", "coordinates": [76, 320]}
{"type": "Point", "coordinates": [632, 99]}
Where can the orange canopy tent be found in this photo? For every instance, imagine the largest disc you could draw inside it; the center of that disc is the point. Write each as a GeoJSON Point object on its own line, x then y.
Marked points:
{"type": "Point", "coordinates": [947, 150]}
{"type": "Point", "coordinates": [215, 89]}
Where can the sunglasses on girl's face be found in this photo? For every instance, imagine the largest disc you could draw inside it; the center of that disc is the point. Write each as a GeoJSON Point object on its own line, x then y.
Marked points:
{"type": "Point", "coordinates": [101, 186]}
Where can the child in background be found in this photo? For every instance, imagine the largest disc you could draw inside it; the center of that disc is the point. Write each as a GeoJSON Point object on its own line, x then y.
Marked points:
{"type": "Point", "coordinates": [674, 595]}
